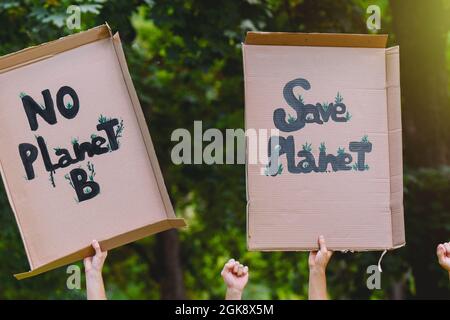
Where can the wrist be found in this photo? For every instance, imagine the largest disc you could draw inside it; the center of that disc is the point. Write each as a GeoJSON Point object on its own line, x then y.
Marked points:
{"type": "Point", "coordinates": [93, 275]}
{"type": "Point", "coordinates": [95, 289]}
{"type": "Point", "coordinates": [317, 283]}
{"type": "Point", "coordinates": [317, 270]}
{"type": "Point", "coordinates": [233, 294]}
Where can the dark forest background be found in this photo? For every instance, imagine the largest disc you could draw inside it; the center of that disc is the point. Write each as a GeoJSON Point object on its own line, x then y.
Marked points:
{"type": "Point", "coordinates": [186, 63]}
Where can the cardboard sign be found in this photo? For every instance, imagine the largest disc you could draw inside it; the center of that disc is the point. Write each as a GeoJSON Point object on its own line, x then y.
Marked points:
{"type": "Point", "coordinates": [335, 166]}
{"type": "Point", "coordinates": [76, 156]}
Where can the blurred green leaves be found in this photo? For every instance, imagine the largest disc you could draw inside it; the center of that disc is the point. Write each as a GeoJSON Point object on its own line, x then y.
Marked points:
{"type": "Point", "coordinates": [186, 64]}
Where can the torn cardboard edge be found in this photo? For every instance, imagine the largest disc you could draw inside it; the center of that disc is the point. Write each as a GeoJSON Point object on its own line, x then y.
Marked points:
{"type": "Point", "coordinates": [316, 39]}
{"type": "Point", "coordinates": [47, 50]}
{"type": "Point", "coordinates": [394, 118]}
{"type": "Point", "coordinates": [107, 244]}
{"type": "Point", "coordinates": [337, 249]}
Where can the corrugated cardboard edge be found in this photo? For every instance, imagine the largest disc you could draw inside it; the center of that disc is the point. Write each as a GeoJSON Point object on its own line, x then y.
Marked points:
{"type": "Point", "coordinates": [247, 197]}
{"type": "Point", "coordinates": [394, 120]}
{"type": "Point", "coordinates": [107, 244]}
{"type": "Point", "coordinates": [393, 97]}
{"type": "Point", "coordinates": [316, 39]}
{"type": "Point", "coordinates": [337, 249]}
{"type": "Point", "coordinates": [47, 50]}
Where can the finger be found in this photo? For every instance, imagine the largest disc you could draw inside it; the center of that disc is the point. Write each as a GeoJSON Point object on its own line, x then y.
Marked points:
{"type": "Point", "coordinates": [229, 264]}
{"type": "Point", "coordinates": [447, 247]}
{"type": "Point", "coordinates": [440, 251]}
{"type": "Point", "coordinates": [240, 270]}
{"type": "Point", "coordinates": [224, 270]}
{"type": "Point", "coordinates": [96, 247]}
{"type": "Point", "coordinates": [245, 271]}
{"type": "Point", "coordinates": [87, 262]}
{"type": "Point", "coordinates": [441, 254]}
{"type": "Point", "coordinates": [104, 255]}
{"type": "Point", "coordinates": [236, 267]}
{"type": "Point", "coordinates": [322, 244]}
{"type": "Point", "coordinates": [228, 267]}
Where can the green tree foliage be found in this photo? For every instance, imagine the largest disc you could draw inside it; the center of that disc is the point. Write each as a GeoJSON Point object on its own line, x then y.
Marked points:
{"type": "Point", "coordinates": [186, 63]}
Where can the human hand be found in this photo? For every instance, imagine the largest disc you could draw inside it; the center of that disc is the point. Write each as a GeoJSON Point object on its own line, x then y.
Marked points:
{"type": "Point", "coordinates": [443, 254]}
{"type": "Point", "coordinates": [93, 268]}
{"type": "Point", "coordinates": [318, 260]}
{"type": "Point", "coordinates": [235, 276]}
{"type": "Point", "coordinates": [95, 264]}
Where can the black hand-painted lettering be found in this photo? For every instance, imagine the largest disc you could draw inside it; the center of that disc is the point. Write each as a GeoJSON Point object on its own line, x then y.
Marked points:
{"type": "Point", "coordinates": [28, 154]}
{"type": "Point", "coordinates": [32, 109]}
{"type": "Point", "coordinates": [108, 127]}
{"type": "Point", "coordinates": [84, 189]}
{"type": "Point", "coordinates": [70, 110]}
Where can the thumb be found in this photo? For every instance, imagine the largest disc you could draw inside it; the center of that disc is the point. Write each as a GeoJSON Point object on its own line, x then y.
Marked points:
{"type": "Point", "coordinates": [322, 244]}
{"type": "Point", "coordinates": [229, 265]}
{"type": "Point", "coordinates": [87, 262]}
{"type": "Point", "coordinates": [330, 253]}
{"type": "Point", "coordinates": [440, 252]}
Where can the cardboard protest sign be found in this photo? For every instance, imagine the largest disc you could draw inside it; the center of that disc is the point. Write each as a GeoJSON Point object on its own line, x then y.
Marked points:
{"type": "Point", "coordinates": [76, 156]}
{"type": "Point", "coordinates": [334, 167]}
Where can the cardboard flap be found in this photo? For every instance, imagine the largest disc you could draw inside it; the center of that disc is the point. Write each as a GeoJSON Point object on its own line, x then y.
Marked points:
{"type": "Point", "coordinates": [395, 144]}
{"type": "Point", "coordinates": [316, 39]}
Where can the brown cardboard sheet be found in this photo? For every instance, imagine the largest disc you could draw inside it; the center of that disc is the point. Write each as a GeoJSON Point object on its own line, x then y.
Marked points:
{"type": "Point", "coordinates": [56, 225]}
{"type": "Point", "coordinates": [359, 208]}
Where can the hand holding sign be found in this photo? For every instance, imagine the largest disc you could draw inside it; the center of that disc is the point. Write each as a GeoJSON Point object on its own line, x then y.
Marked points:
{"type": "Point", "coordinates": [93, 267]}
{"type": "Point", "coordinates": [318, 261]}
